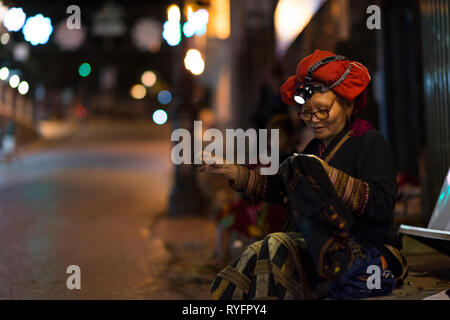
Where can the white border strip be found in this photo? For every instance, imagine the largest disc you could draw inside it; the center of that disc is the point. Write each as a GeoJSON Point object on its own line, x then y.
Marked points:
{"type": "Point", "coordinates": [424, 232]}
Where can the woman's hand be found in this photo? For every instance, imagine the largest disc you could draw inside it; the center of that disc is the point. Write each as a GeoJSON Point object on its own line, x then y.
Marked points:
{"type": "Point", "coordinates": [218, 166]}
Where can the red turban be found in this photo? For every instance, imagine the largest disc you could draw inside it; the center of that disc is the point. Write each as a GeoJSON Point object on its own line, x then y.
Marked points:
{"type": "Point", "coordinates": [352, 88]}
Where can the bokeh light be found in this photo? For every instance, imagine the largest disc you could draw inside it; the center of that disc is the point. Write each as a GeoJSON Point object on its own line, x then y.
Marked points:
{"type": "Point", "coordinates": [219, 27]}
{"type": "Point", "coordinates": [164, 97]}
{"type": "Point", "coordinates": [21, 51]}
{"type": "Point", "coordinates": [23, 87]}
{"type": "Point", "coordinates": [196, 23]}
{"type": "Point", "coordinates": [173, 13]}
{"type": "Point", "coordinates": [148, 78]}
{"type": "Point", "coordinates": [146, 34]}
{"type": "Point", "coordinates": [290, 18]}
{"type": "Point", "coordinates": [171, 32]}
{"type": "Point", "coordinates": [4, 73]}
{"type": "Point", "coordinates": [14, 81]}
{"type": "Point", "coordinates": [172, 28]}
{"type": "Point", "coordinates": [201, 19]}
{"type": "Point", "coordinates": [188, 29]}
{"type": "Point", "coordinates": [201, 31]}
{"type": "Point", "coordinates": [85, 69]}
{"type": "Point", "coordinates": [160, 116]}
{"type": "Point", "coordinates": [37, 29]}
{"type": "Point", "coordinates": [14, 19]}
{"type": "Point", "coordinates": [4, 39]}
{"type": "Point", "coordinates": [194, 62]}
{"type": "Point", "coordinates": [39, 93]}
{"type": "Point", "coordinates": [138, 91]}
{"type": "Point", "coordinates": [80, 112]}
{"type": "Point", "coordinates": [69, 39]}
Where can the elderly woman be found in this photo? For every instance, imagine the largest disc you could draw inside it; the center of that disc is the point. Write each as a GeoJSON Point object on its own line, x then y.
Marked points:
{"type": "Point", "coordinates": [341, 193]}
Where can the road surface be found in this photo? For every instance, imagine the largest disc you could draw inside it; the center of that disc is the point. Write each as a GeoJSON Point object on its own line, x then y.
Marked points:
{"type": "Point", "coordinates": [93, 201]}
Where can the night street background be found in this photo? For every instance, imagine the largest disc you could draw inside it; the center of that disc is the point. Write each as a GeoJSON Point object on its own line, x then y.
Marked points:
{"type": "Point", "coordinates": [95, 200]}
{"type": "Point", "coordinates": [90, 96]}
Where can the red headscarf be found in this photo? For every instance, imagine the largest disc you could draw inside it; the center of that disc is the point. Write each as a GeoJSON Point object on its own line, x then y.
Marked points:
{"type": "Point", "coordinates": [353, 88]}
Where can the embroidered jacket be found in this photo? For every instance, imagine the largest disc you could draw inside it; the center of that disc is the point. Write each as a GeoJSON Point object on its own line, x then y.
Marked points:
{"type": "Point", "coordinates": [362, 171]}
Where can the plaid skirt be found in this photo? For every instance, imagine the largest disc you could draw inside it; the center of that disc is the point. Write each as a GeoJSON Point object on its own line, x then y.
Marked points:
{"type": "Point", "coordinates": [277, 267]}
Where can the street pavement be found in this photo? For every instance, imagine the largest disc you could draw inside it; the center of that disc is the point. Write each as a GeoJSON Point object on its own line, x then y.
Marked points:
{"type": "Point", "coordinates": [98, 200]}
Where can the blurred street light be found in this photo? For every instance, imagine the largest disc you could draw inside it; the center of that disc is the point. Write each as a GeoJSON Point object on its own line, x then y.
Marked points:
{"type": "Point", "coordinates": [200, 19]}
{"type": "Point", "coordinates": [37, 29]}
{"type": "Point", "coordinates": [173, 13]}
{"type": "Point", "coordinates": [4, 73]}
{"type": "Point", "coordinates": [291, 17]}
{"type": "Point", "coordinates": [164, 97]}
{"type": "Point", "coordinates": [39, 93]}
{"type": "Point", "coordinates": [171, 33]}
{"type": "Point", "coordinates": [148, 78]}
{"type": "Point", "coordinates": [188, 29]}
{"type": "Point", "coordinates": [14, 81]}
{"type": "Point", "coordinates": [196, 22]}
{"type": "Point", "coordinates": [4, 39]}
{"type": "Point", "coordinates": [14, 19]}
{"type": "Point", "coordinates": [23, 87]}
{"type": "Point", "coordinates": [138, 91]}
{"type": "Point", "coordinates": [69, 39]}
{"type": "Point", "coordinates": [219, 25]}
{"type": "Point", "coordinates": [146, 34]}
{"type": "Point", "coordinates": [21, 51]}
{"type": "Point", "coordinates": [194, 62]}
{"type": "Point", "coordinates": [172, 28]}
{"type": "Point", "coordinates": [160, 116]}
{"type": "Point", "coordinates": [84, 70]}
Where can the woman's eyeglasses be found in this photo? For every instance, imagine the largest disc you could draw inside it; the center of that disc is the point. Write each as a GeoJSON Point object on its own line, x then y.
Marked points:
{"type": "Point", "coordinates": [321, 114]}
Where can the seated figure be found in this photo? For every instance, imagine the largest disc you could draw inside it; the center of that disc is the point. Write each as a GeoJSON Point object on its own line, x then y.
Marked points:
{"type": "Point", "coordinates": [340, 191]}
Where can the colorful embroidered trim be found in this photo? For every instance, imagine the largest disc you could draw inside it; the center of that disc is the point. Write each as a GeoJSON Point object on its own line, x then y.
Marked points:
{"type": "Point", "coordinates": [250, 182]}
{"type": "Point", "coordinates": [353, 192]}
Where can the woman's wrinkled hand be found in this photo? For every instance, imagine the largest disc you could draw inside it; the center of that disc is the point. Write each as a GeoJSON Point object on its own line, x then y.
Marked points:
{"type": "Point", "coordinates": [217, 165]}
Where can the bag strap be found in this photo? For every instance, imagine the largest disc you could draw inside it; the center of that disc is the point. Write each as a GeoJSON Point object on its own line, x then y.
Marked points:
{"type": "Point", "coordinates": [336, 148]}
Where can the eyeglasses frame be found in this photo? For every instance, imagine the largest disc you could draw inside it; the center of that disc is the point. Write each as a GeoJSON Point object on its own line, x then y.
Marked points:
{"type": "Point", "coordinates": [314, 113]}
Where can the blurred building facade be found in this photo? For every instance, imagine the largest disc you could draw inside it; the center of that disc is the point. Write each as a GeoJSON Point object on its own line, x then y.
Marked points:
{"type": "Point", "coordinates": [436, 70]}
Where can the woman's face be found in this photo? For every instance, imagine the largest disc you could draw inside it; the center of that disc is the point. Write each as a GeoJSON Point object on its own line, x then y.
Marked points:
{"type": "Point", "coordinates": [329, 128]}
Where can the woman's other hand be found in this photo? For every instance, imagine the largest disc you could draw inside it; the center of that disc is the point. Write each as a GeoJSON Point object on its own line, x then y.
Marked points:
{"type": "Point", "coordinates": [217, 165]}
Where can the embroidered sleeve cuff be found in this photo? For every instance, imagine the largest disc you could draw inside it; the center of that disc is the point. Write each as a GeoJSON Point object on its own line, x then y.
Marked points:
{"type": "Point", "coordinates": [249, 182]}
{"type": "Point", "coordinates": [353, 192]}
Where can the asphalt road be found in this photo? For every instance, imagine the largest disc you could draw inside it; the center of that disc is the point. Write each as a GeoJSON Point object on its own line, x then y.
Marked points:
{"type": "Point", "coordinates": [90, 201]}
